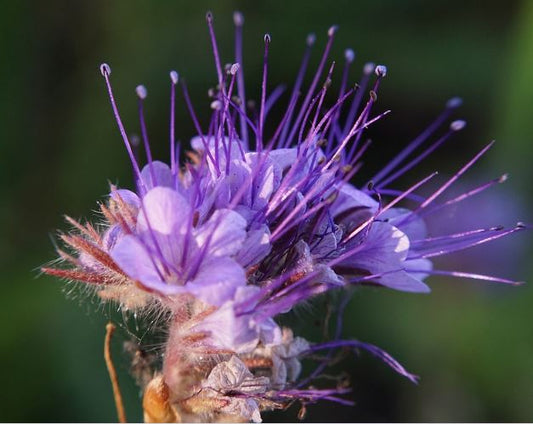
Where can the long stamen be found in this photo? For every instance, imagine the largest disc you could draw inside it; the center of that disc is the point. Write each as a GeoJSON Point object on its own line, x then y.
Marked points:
{"type": "Point", "coordinates": [360, 123]}
{"type": "Point", "coordinates": [368, 69]}
{"type": "Point", "coordinates": [238, 19]}
{"type": "Point", "coordinates": [284, 141]}
{"type": "Point", "coordinates": [471, 275]}
{"type": "Point", "coordinates": [443, 245]}
{"type": "Point", "coordinates": [209, 19]}
{"type": "Point", "coordinates": [452, 104]}
{"type": "Point", "coordinates": [464, 196]}
{"type": "Point", "coordinates": [387, 207]}
{"type": "Point", "coordinates": [324, 90]}
{"type": "Point", "coordinates": [259, 146]}
{"type": "Point", "coordinates": [454, 178]}
{"type": "Point", "coordinates": [349, 56]}
{"type": "Point", "coordinates": [174, 78]}
{"type": "Point", "coordinates": [106, 72]}
{"type": "Point", "coordinates": [305, 104]}
{"type": "Point", "coordinates": [142, 93]}
{"type": "Point", "coordinates": [194, 118]}
{"type": "Point", "coordinates": [455, 126]}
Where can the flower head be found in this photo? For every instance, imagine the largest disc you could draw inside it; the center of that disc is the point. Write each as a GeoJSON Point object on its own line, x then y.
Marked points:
{"type": "Point", "coordinates": [257, 218]}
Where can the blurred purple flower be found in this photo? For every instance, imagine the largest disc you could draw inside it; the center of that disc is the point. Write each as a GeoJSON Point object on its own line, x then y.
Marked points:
{"type": "Point", "coordinates": [260, 217]}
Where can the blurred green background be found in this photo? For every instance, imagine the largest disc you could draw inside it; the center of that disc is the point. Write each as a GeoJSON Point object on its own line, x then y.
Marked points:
{"type": "Point", "coordinates": [472, 343]}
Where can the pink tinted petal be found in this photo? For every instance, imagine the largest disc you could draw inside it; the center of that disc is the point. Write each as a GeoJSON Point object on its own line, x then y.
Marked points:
{"type": "Point", "coordinates": [164, 209]}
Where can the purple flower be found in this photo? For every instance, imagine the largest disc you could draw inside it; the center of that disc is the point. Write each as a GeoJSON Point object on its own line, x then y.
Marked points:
{"type": "Point", "coordinates": [261, 217]}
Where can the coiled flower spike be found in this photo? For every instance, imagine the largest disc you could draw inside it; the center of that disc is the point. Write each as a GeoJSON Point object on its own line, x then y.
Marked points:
{"type": "Point", "coordinates": [256, 219]}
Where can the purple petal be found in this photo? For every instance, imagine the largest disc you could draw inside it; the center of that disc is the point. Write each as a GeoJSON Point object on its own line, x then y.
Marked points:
{"type": "Point", "coordinates": [351, 198]}
{"type": "Point", "coordinates": [383, 253]}
{"type": "Point", "coordinates": [374, 350]}
{"type": "Point", "coordinates": [414, 228]}
{"type": "Point", "coordinates": [383, 249]}
{"type": "Point", "coordinates": [403, 281]}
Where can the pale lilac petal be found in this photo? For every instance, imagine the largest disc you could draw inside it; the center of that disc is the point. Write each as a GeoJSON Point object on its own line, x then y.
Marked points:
{"type": "Point", "coordinates": [239, 176]}
{"type": "Point", "coordinates": [163, 211]}
{"type": "Point", "coordinates": [255, 247]}
{"type": "Point", "coordinates": [225, 232]}
{"type": "Point", "coordinates": [134, 259]}
{"type": "Point", "coordinates": [269, 332]}
{"type": "Point", "coordinates": [162, 173]}
{"type": "Point", "coordinates": [126, 196]}
{"type": "Point", "coordinates": [132, 256]}
{"type": "Point", "coordinates": [198, 144]}
{"type": "Point", "coordinates": [266, 181]}
{"type": "Point", "coordinates": [283, 158]}
{"type": "Point", "coordinates": [216, 281]}
{"type": "Point", "coordinates": [226, 331]}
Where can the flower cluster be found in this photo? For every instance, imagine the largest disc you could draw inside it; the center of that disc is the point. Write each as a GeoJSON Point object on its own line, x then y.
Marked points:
{"type": "Point", "coordinates": [255, 219]}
